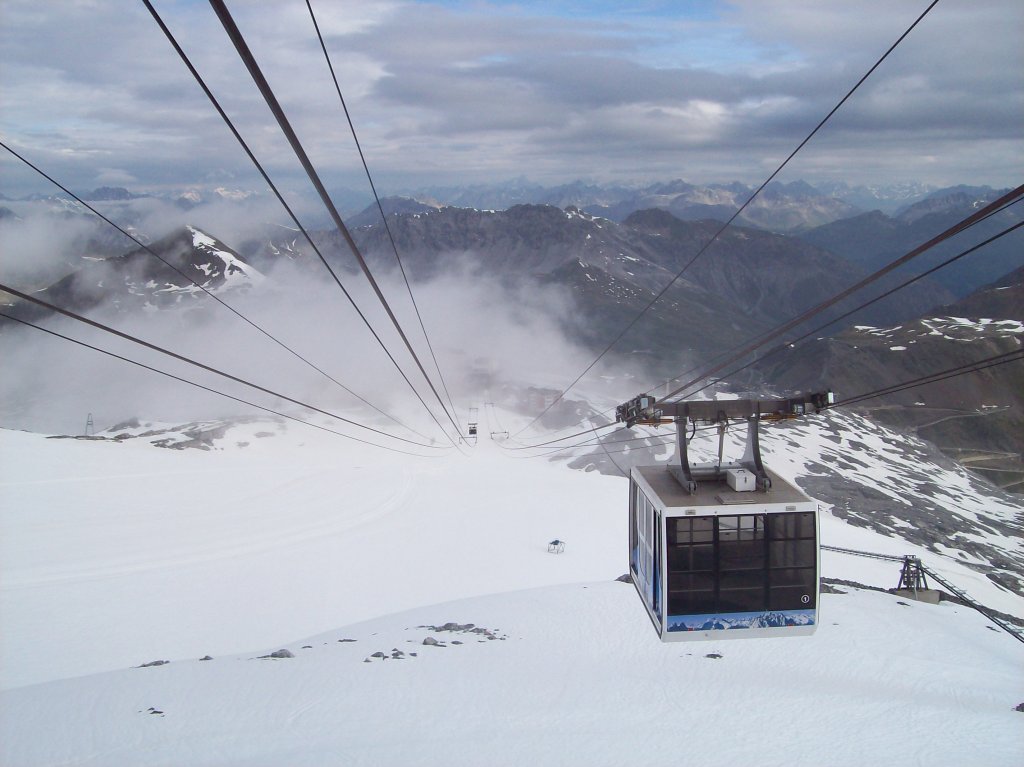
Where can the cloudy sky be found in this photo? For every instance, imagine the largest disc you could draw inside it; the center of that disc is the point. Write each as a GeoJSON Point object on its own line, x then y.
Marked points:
{"type": "Point", "coordinates": [465, 91]}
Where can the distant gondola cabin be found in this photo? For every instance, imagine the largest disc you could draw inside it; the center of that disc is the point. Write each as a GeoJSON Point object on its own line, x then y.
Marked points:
{"type": "Point", "coordinates": [723, 562]}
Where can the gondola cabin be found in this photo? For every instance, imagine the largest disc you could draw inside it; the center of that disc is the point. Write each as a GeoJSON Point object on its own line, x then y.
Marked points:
{"type": "Point", "coordinates": [722, 550]}
{"type": "Point", "coordinates": [723, 562]}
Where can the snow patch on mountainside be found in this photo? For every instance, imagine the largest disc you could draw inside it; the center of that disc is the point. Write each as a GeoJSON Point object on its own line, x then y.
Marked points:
{"type": "Point", "coordinates": [235, 270]}
{"type": "Point", "coordinates": [949, 328]}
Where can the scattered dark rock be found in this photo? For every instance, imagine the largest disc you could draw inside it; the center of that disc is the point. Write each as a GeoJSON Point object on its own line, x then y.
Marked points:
{"type": "Point", "coordinates": [346, 640]}
{"type": "Point", "coordinates": [153, 663]}
{"type": "Point", "coordinates": [454, 627]}
{"type": "Point", "coordinates": [902, 603]}
{"type": "Point", "coordinates": [378, 654]}
{"type": "Point", "coordinates": [624, 579]}
{"type": "Point", "coordinates": [714, 655]}
{"type": "Point", "coordinates": [827, 588]}
{"type": "Point", "coordinates": [852, 584]}
{"type": "Point", "coordinates": [456, 641]}
{"type": "Point", "coordinates": [412, 654]}
{"type": "Point", "coordinates": [307, 647]}
{"type": "Point", "coordinates": [206, 657]}
{"type": "Point", "coordinates": [431, 642]}
{"type": "Point", "coordinates": [1020, 707]}
{"type": "Point", "coordinates": [279, 654]}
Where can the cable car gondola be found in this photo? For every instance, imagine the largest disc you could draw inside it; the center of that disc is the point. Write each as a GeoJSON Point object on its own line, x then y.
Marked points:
{"type": "Point", "coordinates": [722, 549]}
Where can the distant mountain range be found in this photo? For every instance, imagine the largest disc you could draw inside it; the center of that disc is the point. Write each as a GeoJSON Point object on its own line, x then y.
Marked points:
{"type": "Point", "coordinates": [749, 281]}
{"type": "Point", "coordinates": [873, 239]}
{"type": "Point", "coordinates": [780, 207]}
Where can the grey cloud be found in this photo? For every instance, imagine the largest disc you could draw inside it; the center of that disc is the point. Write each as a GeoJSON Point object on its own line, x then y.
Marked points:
{"type": "Point", "coordinates": [446, 94]}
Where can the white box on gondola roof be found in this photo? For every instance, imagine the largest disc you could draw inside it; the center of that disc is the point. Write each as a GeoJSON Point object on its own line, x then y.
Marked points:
{"type": "Point", "coordinates": [740, 480]}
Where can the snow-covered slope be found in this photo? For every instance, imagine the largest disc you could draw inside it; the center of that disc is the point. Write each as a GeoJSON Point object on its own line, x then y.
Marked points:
{"type": "Point", "coordinates": [567, 675]}
{"type": "Point", "coordinates": [118, 552]}
{"type": "Point", "coordinates": [112, 552]}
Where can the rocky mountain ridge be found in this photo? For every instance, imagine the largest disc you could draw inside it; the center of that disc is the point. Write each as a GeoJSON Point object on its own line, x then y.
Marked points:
{"type": "Point", "coordinates": [976, 419]}
{"type": "Point", "coordinates": [136, 281]}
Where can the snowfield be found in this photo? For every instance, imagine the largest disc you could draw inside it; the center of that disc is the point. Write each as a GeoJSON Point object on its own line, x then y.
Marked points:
{"type": "Point", "coordinates": [281, 537]}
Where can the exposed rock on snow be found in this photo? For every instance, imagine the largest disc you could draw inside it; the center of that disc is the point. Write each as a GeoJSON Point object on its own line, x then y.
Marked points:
{"type": "Point", "coordinates": [279, 654]}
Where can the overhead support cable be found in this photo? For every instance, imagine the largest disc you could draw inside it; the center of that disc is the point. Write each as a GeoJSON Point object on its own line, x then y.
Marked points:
{"type": "Point", "coordinates": [188, 360]}
{"type": "Point", "coordinates": [376, 197]}
{"type": "Point", "coordinates": [212, 295]}
{"type": "Point", "coordinates": [789, 344]}
{"type": "Point", "coordinates": [562, 439]}
{"type": "Point", "coordinates": [722, 355]}
{"type": "Point", "coordinates": [1017, 355]}
{"type": "Point", "coordinates": [209, 389]}
{"type": "Point", "coordinates": [273, 187]}
{"type": "Point", "coordinates": [733, 217]}
{"type": "Point", "coordinates": [1007, 198]}
{"type": "Point", "coordinates": [275, 107]}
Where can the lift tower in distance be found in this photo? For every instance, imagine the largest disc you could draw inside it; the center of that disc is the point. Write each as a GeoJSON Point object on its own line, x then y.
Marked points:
{"type": "Point", "coordinates": [722, 549]}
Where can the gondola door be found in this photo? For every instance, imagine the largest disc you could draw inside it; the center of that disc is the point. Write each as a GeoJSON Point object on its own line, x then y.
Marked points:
{"type": "Point", "coordinates": [645, 555]}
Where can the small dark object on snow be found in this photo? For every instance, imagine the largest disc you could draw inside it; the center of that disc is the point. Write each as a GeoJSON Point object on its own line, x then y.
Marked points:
{"type": "Point", "coordinates": [456, 641]}
{"type": "Point", "coordinates": [556, 546]}
{"type": "Point", "coordinates": [902, 603]}
{"type": "Point", "coordinates": [279, 654]}
{"type": "Point", "coordinates": [624, 578]}
{"type": "Point", "coordinates": [206, 657]}
{"type": "Point", "coordinates": [828, 588]}
{"type": "Point", "coordinates": [713, 655]}
{"type": "Point", "coordinates": [377, 654]}
{"type": "Point", "coordinates": [346, 640]}
{"type": "Point", "coordinates": [155, 711]}
{"type": "Point", "coordinates": [153, 663]}
{"type": "Point", "coordinates": [307, 647]}
{"type": "Point", "coordinates": [1020, 708]}
{"type": "Point", "coordinates": [432, 642]}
